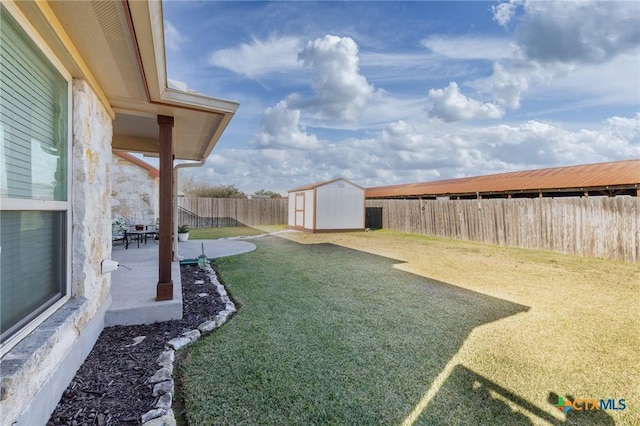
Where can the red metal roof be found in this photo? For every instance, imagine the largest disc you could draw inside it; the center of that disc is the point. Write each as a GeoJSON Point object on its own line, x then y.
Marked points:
{"type": "Point", "coordinates": [583, 177]}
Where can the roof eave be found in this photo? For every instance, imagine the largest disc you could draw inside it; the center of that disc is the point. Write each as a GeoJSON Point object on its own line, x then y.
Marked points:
{"type": "Point", "coordinates": [147, 20]}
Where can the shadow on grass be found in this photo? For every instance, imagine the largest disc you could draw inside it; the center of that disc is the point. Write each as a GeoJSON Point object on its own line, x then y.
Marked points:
{"type": "Point", "coordinates": [331, 335]}
{"type": "Point", "coordinates": [470, 398]}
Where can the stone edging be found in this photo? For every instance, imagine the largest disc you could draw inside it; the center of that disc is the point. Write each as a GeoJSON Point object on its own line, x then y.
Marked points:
{"type": "Point", "coordinates": [163, 384]}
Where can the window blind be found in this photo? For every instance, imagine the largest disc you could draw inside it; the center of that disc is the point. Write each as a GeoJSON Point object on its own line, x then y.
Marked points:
{"type": "Point", "coordinates": [33, 116]}
{"type": "Point", "coordinates": [34, 149]}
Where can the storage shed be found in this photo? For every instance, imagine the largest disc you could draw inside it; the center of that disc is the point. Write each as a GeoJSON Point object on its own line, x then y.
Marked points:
{"type": "Point", "coordinates": [332, 206]}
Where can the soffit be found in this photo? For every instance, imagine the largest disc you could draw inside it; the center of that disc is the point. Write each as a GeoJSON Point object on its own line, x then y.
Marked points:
{"type": "Point", "coordinates": [98, 30]}
{"type": "Point", "coordinates": [121, 45]}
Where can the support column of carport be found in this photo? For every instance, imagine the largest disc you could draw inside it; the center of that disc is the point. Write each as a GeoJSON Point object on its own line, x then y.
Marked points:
{"type": "Point", "coordinates": [164, 290]}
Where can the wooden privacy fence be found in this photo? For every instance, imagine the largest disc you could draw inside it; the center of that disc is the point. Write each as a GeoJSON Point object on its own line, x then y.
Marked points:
{"type": "Point", "coordinates": [597, 226]}
{"type": "Point", "coordinates": [216, 212]}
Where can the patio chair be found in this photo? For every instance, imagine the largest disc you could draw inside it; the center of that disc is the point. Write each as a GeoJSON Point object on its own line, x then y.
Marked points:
{"type": "Point", "coordinates": [119, 231]}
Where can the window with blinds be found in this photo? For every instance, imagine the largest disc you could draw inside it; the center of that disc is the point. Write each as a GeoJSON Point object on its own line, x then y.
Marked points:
{"type": "Point", "coordinates": [34, 149]}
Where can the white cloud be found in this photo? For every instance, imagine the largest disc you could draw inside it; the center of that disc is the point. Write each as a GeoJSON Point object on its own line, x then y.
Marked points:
{"type": "Point", "coordinates": [503, 13]}
{"type": "Point", "coordinates": [449, 104]}
{"type": "Point", "coordinates": [341, 91]}
{"type": "Point", "coordinates": [507, 86]}
{"type": "Point", "coordinates": [259, 57]}
{"type": "Point", "coordinates": [540, 144]}
{"type": "Point", "coordinates": [469, 47]}
{"type": "Point", "coordinates": [566, 40]}
{"type": "Point", "coordinates": [615, 82]}
{"type": "Point", "coordinates": [401, 153]}
{"type": "Point", "coordinates": [578, 31]}
{"type": "Point", "coordinates": [280, 128]}
{"type": "Point", "coordinates": [173, 39]}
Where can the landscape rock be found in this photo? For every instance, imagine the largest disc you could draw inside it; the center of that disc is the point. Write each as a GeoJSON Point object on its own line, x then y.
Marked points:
{"type": "Point", "coordinates": [168, 419]}
{"type": "Point", "coordinates": [152, 414]}
{"type": "Point", "coordinates": [207, 326]}
{"type": "Point", "coordinates": [164, 401]}
{"type": "Point", "coordinates": [166, 359]}
{"type": "Point", "coordinates": [221, 319]}
{"type": "Point", "coordinates": [161, 375]}
{"type": "Point", "coordinates": [163, 387]}
{"type": "Point", "coordinates": [104, 367]}
{"type": "Point", "coordinates": [178, 343]}
{"type": "Point", "coordinates": [192, 335]}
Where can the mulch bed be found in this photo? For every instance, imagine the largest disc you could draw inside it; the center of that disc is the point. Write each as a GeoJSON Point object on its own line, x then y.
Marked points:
{"type": "Point", "coordinates": [110, 388]}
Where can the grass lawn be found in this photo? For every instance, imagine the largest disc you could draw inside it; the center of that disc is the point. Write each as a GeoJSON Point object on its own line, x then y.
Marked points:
{"type": "Point", "coordinates": [386, 328]}
{"type": "Point", "coordinates": [225, 232]}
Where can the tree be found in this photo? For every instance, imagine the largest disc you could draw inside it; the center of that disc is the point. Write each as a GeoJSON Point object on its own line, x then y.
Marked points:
{"type": "Point", "coordinates": [206, 190]}
{"type": "Point", "coordinates": [270, 194]}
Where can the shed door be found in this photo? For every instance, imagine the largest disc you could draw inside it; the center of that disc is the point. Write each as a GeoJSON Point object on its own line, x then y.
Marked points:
{"type": "Point", "coordinates": [300, 209]}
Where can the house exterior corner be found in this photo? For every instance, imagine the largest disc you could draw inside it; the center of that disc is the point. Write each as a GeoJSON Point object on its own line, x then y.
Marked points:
{"type": "Point", "coordinates": [66, 223]}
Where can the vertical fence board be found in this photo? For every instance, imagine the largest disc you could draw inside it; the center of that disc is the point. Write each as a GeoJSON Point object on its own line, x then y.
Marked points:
{"type": "Point", "coordinates": [217, 212]}
{"type": "Point", "coordinates": [596, 226]}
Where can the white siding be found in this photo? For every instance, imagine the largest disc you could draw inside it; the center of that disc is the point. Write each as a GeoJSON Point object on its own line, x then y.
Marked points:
{"type": "Point", "coordinates": [291, 221]}
{"type": "Point", "coordinates": [340, 206]}
{"type": "Point", "coordinates": [308, 209]}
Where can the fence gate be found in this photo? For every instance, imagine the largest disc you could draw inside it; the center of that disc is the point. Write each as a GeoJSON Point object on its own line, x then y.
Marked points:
{"type": "Point", "coordinates": [373, 217]}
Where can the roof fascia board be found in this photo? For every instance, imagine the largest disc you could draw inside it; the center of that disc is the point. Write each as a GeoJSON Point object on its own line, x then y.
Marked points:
{"type": "Point", "coordinates": [157, 35]}
{"type": "Point", "coordinates": [323, 183]}
{"type": "Point", "coordinates": [150, 20]}
{"type": "Point", "coordinates": [147, 19]}
{"type": "Point", "coordinates": [198, 101]}
{"type": "Point", "coordinates": [215, 136]}
{"type": "Point", "coordinates": [46, 22]}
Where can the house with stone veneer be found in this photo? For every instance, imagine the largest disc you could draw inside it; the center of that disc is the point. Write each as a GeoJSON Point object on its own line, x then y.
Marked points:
{"type": "Point", "coordinates": [135, 188]}
{"type": "Point", "coordinates": [78, 80]}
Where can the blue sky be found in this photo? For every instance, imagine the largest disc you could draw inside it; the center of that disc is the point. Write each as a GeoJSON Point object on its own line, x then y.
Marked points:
{"type": "Point", "coordinates": [392, 92]}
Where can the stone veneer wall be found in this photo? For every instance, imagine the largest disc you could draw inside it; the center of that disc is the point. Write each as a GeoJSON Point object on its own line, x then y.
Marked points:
{"type": "Point", "coordinates": [38, 369]}
{"type": "Point", "coordinates": [92, 134]}
{"type": "Point", "coordinates": [134, 192]}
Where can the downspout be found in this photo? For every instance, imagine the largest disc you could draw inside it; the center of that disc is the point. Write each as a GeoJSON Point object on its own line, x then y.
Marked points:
{"type": "Point", "coordinates": [176, 255]}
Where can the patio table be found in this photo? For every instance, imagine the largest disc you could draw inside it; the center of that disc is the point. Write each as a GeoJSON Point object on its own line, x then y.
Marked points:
{"type": "Point", "coordinates": [138, 235]}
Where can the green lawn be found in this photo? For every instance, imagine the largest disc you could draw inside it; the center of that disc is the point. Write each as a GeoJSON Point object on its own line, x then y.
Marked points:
{"type": "Point", "coordinates": [224, 232]}
{"type": "Point", "coordinates": [328, 334]}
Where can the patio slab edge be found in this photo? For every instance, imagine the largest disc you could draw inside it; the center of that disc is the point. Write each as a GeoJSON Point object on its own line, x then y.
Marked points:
{"type": "Point", "coordinates": [151, 311]}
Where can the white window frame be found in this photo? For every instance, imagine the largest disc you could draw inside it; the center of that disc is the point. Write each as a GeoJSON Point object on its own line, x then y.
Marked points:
{"type": "Point", "coordinates": [13, 204]}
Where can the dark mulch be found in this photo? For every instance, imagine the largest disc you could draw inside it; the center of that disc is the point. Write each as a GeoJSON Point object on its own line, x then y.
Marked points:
{"type": "Point", "coordinates": [110, 388]}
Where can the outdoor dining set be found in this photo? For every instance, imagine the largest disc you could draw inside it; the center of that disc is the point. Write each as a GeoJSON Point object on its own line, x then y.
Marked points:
{"type": "Point", "coordinates": [137, 233]}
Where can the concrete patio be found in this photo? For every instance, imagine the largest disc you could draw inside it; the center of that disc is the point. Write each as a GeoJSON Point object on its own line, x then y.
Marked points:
{"type": "Point", "coordinates": [133, 290]}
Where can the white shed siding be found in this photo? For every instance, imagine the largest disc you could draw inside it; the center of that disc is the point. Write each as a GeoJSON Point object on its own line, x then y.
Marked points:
{"type": "Point", "coordinates": [291, 221]}
{"type": "Point", "coordinates": [309, 209]}
{"type": "Point", "coordinates": [340, 206]}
